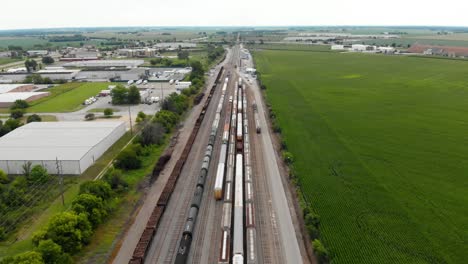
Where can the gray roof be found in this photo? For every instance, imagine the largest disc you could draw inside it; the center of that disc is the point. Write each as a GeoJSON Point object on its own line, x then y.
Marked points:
{"type": "Point", "coordinates": [50, 140]}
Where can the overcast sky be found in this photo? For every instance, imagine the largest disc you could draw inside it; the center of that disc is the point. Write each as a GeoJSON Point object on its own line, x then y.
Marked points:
{"type": "Point", "coordinates": [96, 13]}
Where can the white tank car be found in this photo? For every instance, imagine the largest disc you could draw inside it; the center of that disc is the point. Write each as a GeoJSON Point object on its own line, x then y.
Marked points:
{"type": "Point", "coordinates": [239, 127]}
{"type": "Point", "coordinates": [238, 238]}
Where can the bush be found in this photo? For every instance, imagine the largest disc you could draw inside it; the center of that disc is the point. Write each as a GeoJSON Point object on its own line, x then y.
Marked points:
{"type": "Point", "coordinates": [114, 178]}
{"type": "Point", "coordinates": [28, 257]}
{"type": "Point", "coordinates": [128, 159]}
{"type": "Point", "coordinates": [52, 253]}
{"type": "Point", "coordinates": [152, 134]}
{"type": "Point", "coordinates": [167, 119]}
{"type": "Point", "coordinates": [89, 117]}
{"type": "Point", "coordinates": [97, 188]}
{"type": "Point", "coordinates": [320, 251]}
{"type": "Point", "coordinates": [4, 178]}
{"type": "Point", "coordinates": [141, 115]}
{"type": "Point", "coordinates": [38, 174]}
{"type": "Point", "coordinates": [288, 157]}
{"type": "Point", "coordinates": [33, 118]}
{"type": "Point", "coordinates": [48, 60]}
{"type": "Point", "coordinates": [69, 230]}
{"type": "Point", "coordinates": [19, 104]}
{"type": "Point", "coordinates": [16, 114]}
{"type": "Point", "coordinates": [108, 112]}
{"type": "Point", "coordinates": [92, 206]}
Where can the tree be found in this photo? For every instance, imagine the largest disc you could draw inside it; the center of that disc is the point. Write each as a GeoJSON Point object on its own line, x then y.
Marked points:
{"type": "Point", "coordinates": [114, 178]}
{"type": "Point", "coordinates": [128, 159]}
{"type": "Point", "coordinates": [152, 133]}
{"type": "Point", "coordinates": [108, 112]}
{"type": "Point", "coordinates": [28, 257]}
{"type": "Point", "coordinates": [155, 61]}
{"type": "Point", "coordinates": [38, 175]}
{"type": "Point", "coordinates": [52, 253]}
{"type": "Point", "coordinates": [30, 65]}
{"type": "Point", "coordinates": [19, 104]}
{"type": "Point", "coordinates": [97, 188]}
{"type": "Point", "coordinates": [175, 103]}
{"type": "Point", "coordinates": [48, 60]}
{"type": "Point", "coordinates": [33, 118]}
{"type": "Point", "coordinates": [119, 95]}
{"type": "Point", "coordinates": [167, 119]}
{"type": "Point", "coordinates": [183, 55]}
{"type": "Point", "coordinates": [90, 205]}
{"type": "Point", "coordinates": [133, 95]}
{"type": "Point", "coordinates": [197, 70]}
{"type": "Point", "coordinates": [89, 117]}
{"type": "Point", "coordinates": [4, 178]}
{"type": "Point", "coordinates": [16, 114]}
{"type": "Point", "coordinates": [12, 124]}
{"type": "Point", "coordinates": [26, 168]}
{"type": "Point", "coordinates": [320, 251]}
{"type": "Point", "coordinates": [69, 230]}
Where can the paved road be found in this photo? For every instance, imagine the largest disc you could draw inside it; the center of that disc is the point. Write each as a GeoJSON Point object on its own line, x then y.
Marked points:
{"type": "Point", "coordinates": [283, 212]}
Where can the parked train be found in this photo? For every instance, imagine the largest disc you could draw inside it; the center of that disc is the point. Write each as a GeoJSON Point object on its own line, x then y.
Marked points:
{"type": "Point", "coordinates": [187, 235]}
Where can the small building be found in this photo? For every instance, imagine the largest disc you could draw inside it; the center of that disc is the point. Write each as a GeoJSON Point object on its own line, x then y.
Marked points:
{"type": "Point", "coordinates": [138, 53]}
{"type": "Point", "coordinates": [37, 53]}
{"type": "Point", "coordinates": [73, 146]}
{"type": "Point", "coordinates": [182, 85]}
{"type": "Point", "coordinates": [337, 47]}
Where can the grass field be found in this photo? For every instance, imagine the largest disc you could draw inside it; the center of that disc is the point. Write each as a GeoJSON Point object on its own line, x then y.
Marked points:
{"type": "Point", "coordinates": [7, 60]}
{"type": "Point", "coordinates": [67, 97]}
{"type": "Point", "coordinates": [380, 148]}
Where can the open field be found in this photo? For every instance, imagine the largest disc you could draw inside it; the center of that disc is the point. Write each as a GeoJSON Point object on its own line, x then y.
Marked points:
{"type": "Point", "coordinates": [7, 60]}
{"type": "Point", "coordinates": [67, 97]}
{"type": "Point", "coordinates": [380, 148]}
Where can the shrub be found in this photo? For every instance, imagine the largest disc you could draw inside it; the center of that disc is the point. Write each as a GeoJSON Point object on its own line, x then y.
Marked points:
{"type": "Point", "coordinates": [16, 114]}
{"type": "Point", "coordinates": [320, 251]}
{"type": "Point", "coordinates": [69, 230]}
{"type": "Point", "coordinates": [19, 104]}
{"type": "Point", "coordinates": [114, 178]}
{"type": "Point", "coordinates": [108, 112]}
{"type": "Point", "coordinates": [97, 188]}
{"type": "Point", "coordinates": [33, 118]}
{"type": "Point", "coordinates": [28, 257]}
{"type": "Point", "coordinates": [38, 174]}
{"type": "Point", "coordinates": [52, 253]}
{"type": "Point", "coordinates": [152, 134]}
{"type": "Point", "coordinates": [288, 157]}
{"type": "Point", "coordinates": [128, 159]}
{"type": "Point", "coordinates": [92, 206]}
{"type": "Point", "coordinates": [167, 119]}
{"type": "Point", "coordinates": [4, 178]}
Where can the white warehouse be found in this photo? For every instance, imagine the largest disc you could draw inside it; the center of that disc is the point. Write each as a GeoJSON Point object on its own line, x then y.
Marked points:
{"type": "Point", "coordinates": [75, 145]}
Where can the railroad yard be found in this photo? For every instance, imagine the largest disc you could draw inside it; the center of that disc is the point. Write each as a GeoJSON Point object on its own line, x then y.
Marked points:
{"type": "Point", "coordinates": [215, 202]}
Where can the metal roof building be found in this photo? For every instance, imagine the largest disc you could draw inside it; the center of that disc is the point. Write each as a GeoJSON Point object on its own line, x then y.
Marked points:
{"type": "Point", "coordinates": [76, 145]}
{"type": "Point", "coordinates": [7, 99]}
{"type": "Point", "coordinates": [105, 63]}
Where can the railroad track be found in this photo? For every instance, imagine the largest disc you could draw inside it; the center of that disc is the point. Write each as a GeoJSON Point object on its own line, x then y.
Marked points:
{"type": "Point", "coordinates": [270, 240]}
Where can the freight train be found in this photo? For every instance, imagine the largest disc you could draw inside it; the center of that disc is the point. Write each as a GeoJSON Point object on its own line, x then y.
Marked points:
{"type": "Point", "coordinates": [152, 225]}
{"type": "Point", "coordinates": [187, 234]}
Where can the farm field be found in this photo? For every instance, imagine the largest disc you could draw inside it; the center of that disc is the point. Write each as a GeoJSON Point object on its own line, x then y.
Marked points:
{"type": "Point", "coordinates": [7, 60]}
{"type": "Point", "coordinates": [379, 144]}
{"type": "Point", "coordinates": [67, 97]}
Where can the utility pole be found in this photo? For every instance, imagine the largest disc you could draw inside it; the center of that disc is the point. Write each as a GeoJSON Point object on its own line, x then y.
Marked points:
{"type": "Point", "coordinates": [59, 171]}
{"type": "Point", "coordinates": [130, 118]}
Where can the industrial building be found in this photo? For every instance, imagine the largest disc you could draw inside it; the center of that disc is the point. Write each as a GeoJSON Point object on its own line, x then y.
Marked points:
{"type": "Point", "coordinates": [70, 146]}
{"type": "Point", "coordinates": [175, 45]}
{"type": "Point", "coordinates": [105, 64]}
{"type": "Point", "coordinates": [7, 99]}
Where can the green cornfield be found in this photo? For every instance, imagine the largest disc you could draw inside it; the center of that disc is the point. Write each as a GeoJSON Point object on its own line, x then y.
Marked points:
{"type": "Point", "coordinates": [381, 149]}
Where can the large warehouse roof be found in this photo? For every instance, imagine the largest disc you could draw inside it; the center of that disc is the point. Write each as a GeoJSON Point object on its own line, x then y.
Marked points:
{"type": "Point", "coordinates": [5, 88]}
{"type": "Point", "coordinates": [11, 97]}
{"type": "Point", "coordinates": [52, 140]}
{"type": "Point", "coordinates": [105, 63]}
